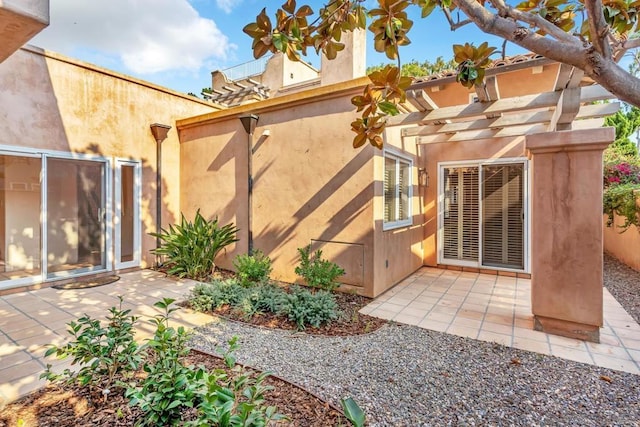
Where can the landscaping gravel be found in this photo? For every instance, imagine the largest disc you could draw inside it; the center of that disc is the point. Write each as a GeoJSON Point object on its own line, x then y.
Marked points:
{"type": "Point", "coordinates": [624, 284]}
{"type": "Point", "coordinates": [406, 376]}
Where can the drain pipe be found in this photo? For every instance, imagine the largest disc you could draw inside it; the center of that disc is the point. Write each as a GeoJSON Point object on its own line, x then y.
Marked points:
{"type": "Point", "coordinates": [249, 122]}
{"type": "Point", "coordinates": [160, 134]}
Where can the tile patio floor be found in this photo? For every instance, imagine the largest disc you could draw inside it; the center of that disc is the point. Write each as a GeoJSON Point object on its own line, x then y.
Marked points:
{"type": "Point", "coordinates": [31, 320]}
{"type": "Point", "coordinates": [498, 309]}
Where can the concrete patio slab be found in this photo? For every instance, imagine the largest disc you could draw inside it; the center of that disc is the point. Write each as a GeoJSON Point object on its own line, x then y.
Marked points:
{"type": "Point", "coordinates": [498, 309]}
{"type": "Point", "coordinates": [29, 321]}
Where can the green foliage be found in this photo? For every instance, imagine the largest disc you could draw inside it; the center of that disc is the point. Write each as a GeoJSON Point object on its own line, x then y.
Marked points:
{"type": "Point", "coordinates": [318, 272]}
{"type": "Point", "coordinates": [415, 68]}
{"type": "Point", "coordinates": [305, 308]}
{"type": "Point", "coordinates": [103, 353]}
{"type": "Point", "coordinates": [210, 296]}
{"type": "Point", "coordinates": [191, 247]}
{"type": "Point", "coordinates": [169, 386]}
{"type": "Point", "coordinates": [254, 268]}
{"type": "Point", "coordinates": [626, 121]}
{"type": "Point", "coordinates": [621, 200]}
{"type": "Point", "coordinates": [353, 412]}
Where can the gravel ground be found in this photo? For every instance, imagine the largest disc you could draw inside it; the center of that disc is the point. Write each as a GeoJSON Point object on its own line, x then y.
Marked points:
{"type": "Point", "coordinates": [406, 376]}
{"type": "Point", "coordinates": [624, 284]}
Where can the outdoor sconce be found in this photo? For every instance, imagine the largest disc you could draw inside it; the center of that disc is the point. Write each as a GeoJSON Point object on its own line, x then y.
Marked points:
{"type": "Point", "coordinates": [159, 132]}
{"type": "Point", "coordinates": [423, 177]}
{"type": "Point", "coordinates": [249, 122]}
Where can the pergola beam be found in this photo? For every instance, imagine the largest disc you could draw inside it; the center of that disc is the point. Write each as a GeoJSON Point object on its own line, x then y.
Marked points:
{"type": "Point", "coordinates": [509, 120]}
{"type": "Point", "coordinates": [566, 110]}
{"type": "Point", "coordinates": [544, 100]}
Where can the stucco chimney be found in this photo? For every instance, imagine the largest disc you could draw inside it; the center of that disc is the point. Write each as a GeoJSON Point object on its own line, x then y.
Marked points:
{"type": "Point", "coordinates": [350, 63]}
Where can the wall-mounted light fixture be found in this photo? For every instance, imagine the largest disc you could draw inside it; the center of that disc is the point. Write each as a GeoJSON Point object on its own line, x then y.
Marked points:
{"type": "Point", "coordinates": [249, 122]}
{"type": "Point", "coordinates": [159, 133]}
{"type": "Point", "coordinates": [423, 177]}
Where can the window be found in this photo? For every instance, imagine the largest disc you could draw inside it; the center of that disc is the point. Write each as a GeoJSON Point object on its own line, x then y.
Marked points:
{"type": "Point", "coordinates": [397, 191]}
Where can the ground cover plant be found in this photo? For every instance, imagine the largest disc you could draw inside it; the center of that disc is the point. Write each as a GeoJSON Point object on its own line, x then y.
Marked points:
{"type": "Point", "coordinates": [160, 382]}
{"type": "Point", "coordinates": [250, 297]}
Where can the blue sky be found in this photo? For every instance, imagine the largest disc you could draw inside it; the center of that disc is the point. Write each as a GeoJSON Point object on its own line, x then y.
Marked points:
{"type": "Point", "coordinates": [177, 43]}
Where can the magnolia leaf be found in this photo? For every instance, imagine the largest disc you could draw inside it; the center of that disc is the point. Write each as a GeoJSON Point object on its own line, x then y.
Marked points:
{"type": "Point", "coordinates": [388, 108]}
{"type": "Point", "coordinates": [289, 6]}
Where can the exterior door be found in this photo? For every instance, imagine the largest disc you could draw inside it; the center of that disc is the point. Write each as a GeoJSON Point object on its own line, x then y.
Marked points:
{"type": "Point", "coordinates": [76, 216]}
{"type": "Point", "coordinates": [127, 214]}
{"type": "Point", "coordinates": [482, 215]}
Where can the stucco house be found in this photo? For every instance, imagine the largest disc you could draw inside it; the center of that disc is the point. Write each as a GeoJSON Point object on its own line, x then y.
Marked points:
{"type": "Point", "coordinates": [504, 178]}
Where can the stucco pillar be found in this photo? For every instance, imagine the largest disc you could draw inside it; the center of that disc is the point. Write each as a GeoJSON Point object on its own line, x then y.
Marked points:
{"type": "Point", "coordinates": [566, 246]}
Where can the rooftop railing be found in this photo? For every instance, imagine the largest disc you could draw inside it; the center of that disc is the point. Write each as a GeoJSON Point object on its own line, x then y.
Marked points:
{"type": "Point", "coordinates": [247, 69]}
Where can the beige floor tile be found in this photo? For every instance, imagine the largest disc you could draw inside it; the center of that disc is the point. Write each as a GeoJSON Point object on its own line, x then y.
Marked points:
{"type": "Point", "coordinates": [501, 319]}
{"type": "Point", "coordinates": [616, 363]}
{"type": "Point", "coordinates": [497, 328]}
{"type": "Point", "coordinates": [445, 310]}
{"type": "Point", "coordinates": [30, 367]}
{"type": "Point", "coordinates": [470, 314]}
{"type": "Point", "coordinates": [384, 314]}
{"type": "Point", "coordinates": [531, 345]}
{"type": "Point", "coordinates": [530, 334]}
{"type": "Point", "coordinates": [433, 325]}
{"type": "Point", "coordinates": [10, 360]}
{"type": "Point", "coordinates": [608, 350]}
{"type": "Point", "coordinates": [567, 342]}
{"type": "Point", "coordinates": [495, 337]}
{"type": "Point", "coordinates": [574, 354]}
{"type": "Point", "coordinates": [425, 299]}
{"type": "Point", "coordinates": [408, 319]}
{"type": "Point", "coordinates": [440, 317]}
{"type": "Point", "coordinates": [463, 331]}
{"type": "Point", "coordinates": [469, 323]}
{"type": "Point", "coordinates": [415, 311]}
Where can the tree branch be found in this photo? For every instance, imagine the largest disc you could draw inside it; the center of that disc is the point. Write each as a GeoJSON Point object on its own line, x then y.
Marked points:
{"type": "Point", "coordinates": [598, 28]}
{"type": "Point", "coordinates": [572, 52]}
{"type": "Point", "coordinates": [532, 19]}
{"type": "Point", "coordinates": [454, 25]}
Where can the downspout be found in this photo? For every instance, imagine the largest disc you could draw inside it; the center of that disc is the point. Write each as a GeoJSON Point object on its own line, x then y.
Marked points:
{"type": "Point", "coordinates": [160, 134]}
{"type": "Point", "coordinates": [249, 122]}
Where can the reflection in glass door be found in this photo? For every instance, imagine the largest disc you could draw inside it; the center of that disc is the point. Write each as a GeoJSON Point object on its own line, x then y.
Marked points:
{"type": "Point", "coordinates": [19, 217]}
{"type": "Point", "coordinates": [127, 216]}
{"type": "Point", "coordinates": [76, 200]}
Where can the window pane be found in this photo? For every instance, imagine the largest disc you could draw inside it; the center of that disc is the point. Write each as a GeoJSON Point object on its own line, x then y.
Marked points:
{"type": "Point", "coordinates": [389, 190]}
{"type": "Point", "coordinates": [405, 179]}
{"type": "Point", "coordinates": [19, 217]}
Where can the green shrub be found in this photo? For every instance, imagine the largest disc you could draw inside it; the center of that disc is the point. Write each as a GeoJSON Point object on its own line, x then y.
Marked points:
{"type": "Point", "coordinates": [305, 308]}
{"type": "Point", "coordinates": [253, 268]}
{"type": "Point", "coordinates": [233, 400]}
{"type": "Point", "coordinates": [210, 296]}
{"type": "Point", "coordinates": [169, 386]}
{"type": "Point", "coordinates": [104, 353]}
{"type": "Point", "coordinates": [621, 200]}
{"type": "Point", "coordinates": [190, 248]}
{"type": "Point", "coordinates": [318, 272]}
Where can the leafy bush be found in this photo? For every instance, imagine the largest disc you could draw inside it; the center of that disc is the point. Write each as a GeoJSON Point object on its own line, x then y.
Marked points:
{"type": "Point", "coordinates": [191, 247]}
{"type": "Point", "coordinates": [236, 400]}
{"type": "Point", "coordinates": [621, 173]}
{"type": "Point", "coordinates": [253, 268]}
{"type": "Point", "coordinates": [305, 308]}
{"type": "Point", "coordinates": [169, 386]}
{"type": "Point", "coordinates": [621, 200]}
{"type": "Point", "coordinates": [104, 353]}
{"type": "Point", "coordinates": [318, 272]}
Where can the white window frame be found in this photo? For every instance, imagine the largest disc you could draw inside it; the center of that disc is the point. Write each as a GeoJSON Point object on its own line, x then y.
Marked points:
{"type": "Point", "coordinates": [137, 200]}
{"type": "Point", "coordinates": [399, 158]}
{"type": "Point", "coordinates": [526, 208]}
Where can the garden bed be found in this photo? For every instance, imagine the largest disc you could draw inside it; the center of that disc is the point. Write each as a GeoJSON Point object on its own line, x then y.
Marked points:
{"type": "Point", "coordinates": [66, 406]}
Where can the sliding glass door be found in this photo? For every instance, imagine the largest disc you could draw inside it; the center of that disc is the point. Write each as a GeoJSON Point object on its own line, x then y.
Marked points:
{"type": "Point", "coordinates": [76, 216]}
{"type": "Point", "coordinates": [482, 215]}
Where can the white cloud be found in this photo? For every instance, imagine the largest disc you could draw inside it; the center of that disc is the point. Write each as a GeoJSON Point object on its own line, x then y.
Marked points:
{"type": "Point", "coordinates": [227, 5]}
{"type": "Point", "coordinates": [149, 36]}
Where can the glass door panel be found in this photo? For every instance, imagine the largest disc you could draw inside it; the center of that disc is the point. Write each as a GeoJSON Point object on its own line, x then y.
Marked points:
{"type": "Point", "coordinates": [75, 216]}
{"type": "Point", "coordinates": [127, 214]}
{"type": "Point", "coordinates": [20, 201]}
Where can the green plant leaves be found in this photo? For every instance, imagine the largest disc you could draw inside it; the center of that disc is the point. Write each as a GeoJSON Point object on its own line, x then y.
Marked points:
{"type": "Point", "coordinates": [353, 412]}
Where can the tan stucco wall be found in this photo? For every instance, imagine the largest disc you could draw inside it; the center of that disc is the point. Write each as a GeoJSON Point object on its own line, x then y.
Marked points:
{"type": "Point", "coordinates": [51, 102]}
{"type": "Point", "coordinates": [310, 185]}
{"type": "Point", "coordinates": [623, 245]}
{"type": "Point", "coordinates": [398, 252]}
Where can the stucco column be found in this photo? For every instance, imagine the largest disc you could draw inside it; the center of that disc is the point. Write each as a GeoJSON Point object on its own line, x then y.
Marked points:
{"type": "Point", "coordinates": [566, 235]}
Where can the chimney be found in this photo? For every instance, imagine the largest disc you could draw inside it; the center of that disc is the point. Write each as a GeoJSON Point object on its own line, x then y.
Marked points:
{"type": "Point", "coordinates": [350, 63]}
